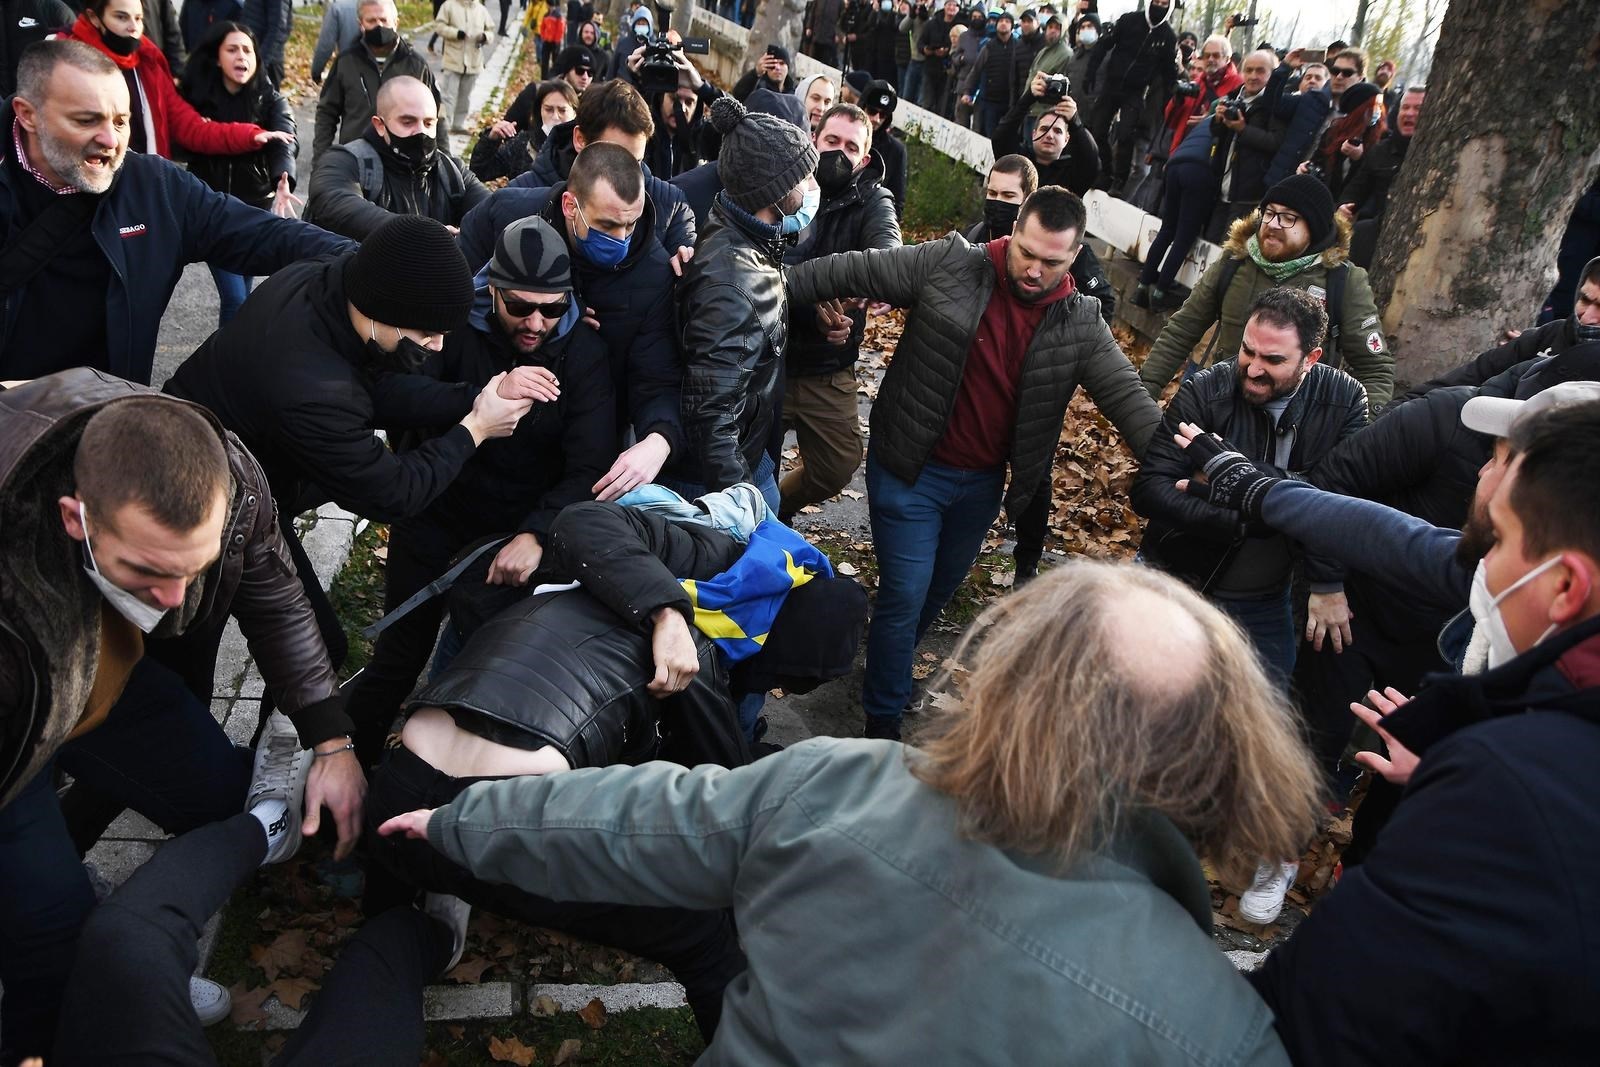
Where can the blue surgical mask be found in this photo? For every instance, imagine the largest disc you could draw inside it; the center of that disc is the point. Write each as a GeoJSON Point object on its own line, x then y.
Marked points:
{"type": "Point", "coordinates": [805, 212]}
{"type": "Point", "coordinates": [130, 607]}
{"type": "Point", "coordinates": [602, 249]}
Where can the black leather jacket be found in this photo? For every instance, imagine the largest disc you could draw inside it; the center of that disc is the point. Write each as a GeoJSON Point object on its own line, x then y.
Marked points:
{"type": "Point", "coordinates": [860, 216]}
{"type": "Point", "coordinates": [1208, 545]}
{"type": "Point", "coordinates": [735, 323]}
{"type": "Point", "coordinates": [252, 177]}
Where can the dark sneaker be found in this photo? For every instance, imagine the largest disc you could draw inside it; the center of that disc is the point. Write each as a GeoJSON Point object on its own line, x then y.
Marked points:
{"type": "Point", "coordinates": [1026, 563]}
{"type": "Point", "coordinates": [1141, 296]}
{"type": "Point", "coordinates": [882, 727]}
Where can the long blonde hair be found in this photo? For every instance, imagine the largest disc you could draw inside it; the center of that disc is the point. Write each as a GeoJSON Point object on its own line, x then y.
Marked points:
{"type": "Point", "coordinates": [1103, 689]}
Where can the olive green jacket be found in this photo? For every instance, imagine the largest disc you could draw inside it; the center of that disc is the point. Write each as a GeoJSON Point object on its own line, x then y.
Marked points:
{"type": "Point", "coordinates": [1363, 351]}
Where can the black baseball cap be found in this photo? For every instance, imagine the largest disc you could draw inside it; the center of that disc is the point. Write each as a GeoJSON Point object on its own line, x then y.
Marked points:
{"type": "Point", "coordinates": [879, 98]}
{"type": "Point", "coordinates": [574, 57]}
{"type": "Point", "coordinates": [777, 51]}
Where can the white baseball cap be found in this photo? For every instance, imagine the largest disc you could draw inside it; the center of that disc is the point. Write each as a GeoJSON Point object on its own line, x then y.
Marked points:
{"type": "Point", "coordinates": [1495, 415]}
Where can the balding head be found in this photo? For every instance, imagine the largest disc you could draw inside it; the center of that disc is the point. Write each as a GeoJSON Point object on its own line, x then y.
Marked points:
{"type": "Point", "coordinates": [405, 106]}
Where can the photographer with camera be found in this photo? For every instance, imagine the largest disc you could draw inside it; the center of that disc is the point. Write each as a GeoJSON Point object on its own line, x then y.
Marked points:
{"type": "Point", "coordinates": [678, 96]}
{"type": "Point", "coordinates": [1060, 146]}
{"type": "Point", "coordinates": [1140, 56]}
{"type": "Point", "coordinates": [1248, 133]}
{"type": "Point", "coordinates": [933, 45]}
{"type": "Point", "coordinates": [770, 72]}
{"type": "Point", "coordinates": [1358, 122]}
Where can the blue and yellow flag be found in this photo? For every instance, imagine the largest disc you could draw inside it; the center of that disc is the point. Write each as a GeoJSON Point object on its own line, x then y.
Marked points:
{"type": "Point", "coordinates": [736, 608]}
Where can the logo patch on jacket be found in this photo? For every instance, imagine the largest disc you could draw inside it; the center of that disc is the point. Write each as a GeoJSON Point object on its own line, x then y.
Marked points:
{"type": "Point", "coordinates": [1318, 293]}
{"type": "Point", "coordinates": [136, 230]}
{"type": "Point", "coordinates": [1375, 341]}
{"type": "Point", "coordinates": [27, 23]}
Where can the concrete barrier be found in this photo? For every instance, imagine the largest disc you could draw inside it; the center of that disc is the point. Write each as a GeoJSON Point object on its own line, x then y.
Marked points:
{"type": "Point", "coordinates": [1117, 223]}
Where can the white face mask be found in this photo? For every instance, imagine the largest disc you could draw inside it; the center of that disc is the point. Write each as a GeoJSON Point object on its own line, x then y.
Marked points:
{"type": "Point", "coordinates": [130, 607]}
{"type": "Point", "coordinates": [1485, 610]}
{"type": "Point", "coordinates": [1087, 37]}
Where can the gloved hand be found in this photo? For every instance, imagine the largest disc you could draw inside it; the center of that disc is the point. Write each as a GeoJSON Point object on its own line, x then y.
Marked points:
{"type": "Point", "coordinates": [1232, 480]}
{"type": "Point", "coordinates": [461, 35]}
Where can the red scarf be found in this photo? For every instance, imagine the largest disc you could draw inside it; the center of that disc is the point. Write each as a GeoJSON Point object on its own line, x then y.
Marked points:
{"type": "Point", "coordinates": [85, 31]}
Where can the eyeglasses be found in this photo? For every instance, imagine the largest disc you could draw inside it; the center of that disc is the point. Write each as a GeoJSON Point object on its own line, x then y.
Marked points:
{"type": "Point", "coordinates": [1284, 220]}
{"type": "Point", "coordinates": [1344, 72]}
{"type": "Point", "coordinates": [521, 309]}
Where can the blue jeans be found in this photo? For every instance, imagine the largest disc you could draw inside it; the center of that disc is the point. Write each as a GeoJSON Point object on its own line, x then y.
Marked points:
{"type": "Point", "coordinates": [1270, 623]}
{"type": "Point", "coordinates": [926, 536]}
{"type": "Point", "coordinates": [160, 753]}
{"type": "Point", "coordinates": [764, 478]}
{"type": "Point", "coordinates": [912, 88]}
{"type": "Point", "coordinates": [231, 291]}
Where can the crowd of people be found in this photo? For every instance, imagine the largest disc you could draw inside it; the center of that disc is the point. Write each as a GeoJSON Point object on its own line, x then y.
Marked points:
{"type": "Point", "coordinates": [568, 398]}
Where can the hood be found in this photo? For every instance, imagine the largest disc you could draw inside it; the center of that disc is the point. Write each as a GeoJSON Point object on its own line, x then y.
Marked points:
{"type": "Point", "coordinates": [642, 15]}
{"type": "Point", "coordinates": [1154, 22]}
{"type": "Point", "coordinates": [483, 307]}
{"type": "Point", "coordinates": [554, 160]}
{"type": "Point", "coordinates": [804, 86]}
{"type": "Point", "coordinates": [1336, 247]}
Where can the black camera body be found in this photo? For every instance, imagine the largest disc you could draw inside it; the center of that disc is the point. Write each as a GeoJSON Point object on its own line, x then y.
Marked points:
{"type": "Point", "coordinates": [1234, 112]}
{"type": "Point", "coordinates": [1055, 88]}
{"type": "Point", "coordinates": [1240, 20]}
{"type": "Point", "coordinates": [1186, 88]}
{"type": "Point", "coordinates": [658, 74]}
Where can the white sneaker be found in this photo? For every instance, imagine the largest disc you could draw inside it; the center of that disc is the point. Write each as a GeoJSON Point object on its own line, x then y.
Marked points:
{"type": "Point", "coordinates": [454, 913]}
{"type": "Point", "coordinates": [1262, 902]}
{"type": "Point", "coordinates": [211, 1002]}
{"type": "Point", "coordinates": [281, 769]}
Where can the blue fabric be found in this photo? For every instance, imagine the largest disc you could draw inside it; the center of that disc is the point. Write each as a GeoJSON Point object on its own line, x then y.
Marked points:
{"type": "Point", "coordinates": [1195, 146]}
{"type": "Point", "coordinates": [232, 289]}
{"type": "Point", "coordinates": [911, 90]}
{"type": "Point", "coordinates": [735, 609]}
{"type": "Point", "coordinates": [735, 511]}
{"type": "Point", "coordinates": [1191, 193]}
{"type": "Point", "coordinates": [926, 536]}
{"type": "Point", "coordinates": [1270, 623]}
{"type": "Point", "coordinates": [483, 307]}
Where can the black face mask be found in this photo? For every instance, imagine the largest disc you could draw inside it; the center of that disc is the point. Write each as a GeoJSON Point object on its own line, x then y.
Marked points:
{"type": "Point", "coordinates": [1001, 217]}
{"type": "Point", "coordinates": [417, 151]}
{"type": "Point", "coordinates": [118, 44]}
{"type": "Point", "coordinates": [380, 36]}
{"type": "Point", "coordinates": [834, 171]}
{"type": "Point", "coordinates": [408, 357]}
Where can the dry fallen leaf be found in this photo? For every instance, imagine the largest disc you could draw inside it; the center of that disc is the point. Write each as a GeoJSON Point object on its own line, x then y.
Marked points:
{"type": "Point", "coordinates": [469, 971]}
{"type": "Point", "coordinates": [846, 569]}
{"type": "Point", "coordinates": [291, 992]}
{"type": "Point", "coordinates": [282, 955]}
{"type": "Point", "coordinates": [510, 1050]}
{"type": "Point", "coordinates": [544, 1005]}
{"type": "Point", "coordinates": [246, 1012]}
{"type": "Point", "coordinates": [567, 1052]}
{"type": "Point", "coordinates": [593, 1013]}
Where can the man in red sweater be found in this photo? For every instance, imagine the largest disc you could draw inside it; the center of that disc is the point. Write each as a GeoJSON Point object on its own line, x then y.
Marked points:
{"type": "Point", "coordinates": [997, 339]}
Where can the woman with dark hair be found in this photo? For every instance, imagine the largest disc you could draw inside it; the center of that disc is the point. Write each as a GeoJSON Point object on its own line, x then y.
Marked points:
{"type": "Point", "coordinates": [510, 146]}
{"type": "Point", "coordinates": [161, 119]}
{"type": "Point", "coordinates": [225, 83]}
{"type": "Point", "coordinates": [1358, 121]}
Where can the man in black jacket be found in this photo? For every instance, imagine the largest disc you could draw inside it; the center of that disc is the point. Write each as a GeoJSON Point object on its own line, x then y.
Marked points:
{"type": "Point", "coordinates": [1140, 56]}
{"type": "Point", "coordinates": [1485, 854]}
{"type": "Point", "coordinates": [1366, 195]}
{"type": "Point", "coordinates": [825, 339]}
{"type": "Point", "coordinates": [97, 243]}
{"type": "Point", "coordinates": [623, 277]}
{"type": "Point", "coordinates": [1279, 405]}
{"type": "Point", "coordinates": [526, 314]}
{"type": "Point", "coordinates": [270, 21]}
{"type": "Point", "coordinates": [1246, 134]}
{"type": "Point", "coordinates": [1001, 66]}
{"type": "Point", "coordinates": [879, 102]}
{"type": "Point", "coordinates": [325, 353]}
{"type": "Point", "coordinates": [350, 94]}
{"type": "Point", "coordinates": [395, 167]}
{"type": "Point", "coordinates": [22, 22]}
{"type": "Point", "coordinates": [770, 72]}
{"type": "Point", "coordinates": [735, 316]}
{"type": "Point", "coordinates": [933, 45]}
{"type": "Point", "coordinates": [1061, 146]}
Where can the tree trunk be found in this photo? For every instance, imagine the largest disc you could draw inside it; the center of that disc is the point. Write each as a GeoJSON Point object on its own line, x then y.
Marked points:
{"type": "Point", "coordinates": [1360, 28]}
{"type": "Point", "coordinates": [682, 15]}
{"type": "Point", "coordinates": [776, 22]}
{"type": "Point", "coordinates": [1469, 240]}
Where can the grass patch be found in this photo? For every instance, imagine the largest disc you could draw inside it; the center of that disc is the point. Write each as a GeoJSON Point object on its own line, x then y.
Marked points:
{"type": "Point", "coordinates": [357, 593]}
{"type": "Point", "coordinates": [942, 194]}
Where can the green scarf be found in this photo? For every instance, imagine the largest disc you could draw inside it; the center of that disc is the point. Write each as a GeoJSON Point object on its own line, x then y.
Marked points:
{"type": "Point", "coordinates": [1279, 271]}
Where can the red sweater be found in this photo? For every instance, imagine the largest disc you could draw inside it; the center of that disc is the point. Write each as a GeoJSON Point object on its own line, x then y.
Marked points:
{"type": "Point", "coordinates": [978, 435]}
{"type": "Point", "coordinates": [174, 121]}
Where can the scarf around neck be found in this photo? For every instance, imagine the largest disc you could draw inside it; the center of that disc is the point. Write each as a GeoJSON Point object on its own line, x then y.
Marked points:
{"type": "Point", "coordinates": [1278, 271]}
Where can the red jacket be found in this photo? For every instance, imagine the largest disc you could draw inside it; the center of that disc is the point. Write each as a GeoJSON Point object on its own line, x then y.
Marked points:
{"type": "Point", "coordinates": [174, 121]}
{"type": "Point", "coordinates": [1181, 108]}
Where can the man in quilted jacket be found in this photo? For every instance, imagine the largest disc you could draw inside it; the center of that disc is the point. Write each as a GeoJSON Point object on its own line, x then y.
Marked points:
{"type": "Point", "coordinates": [996, 342]}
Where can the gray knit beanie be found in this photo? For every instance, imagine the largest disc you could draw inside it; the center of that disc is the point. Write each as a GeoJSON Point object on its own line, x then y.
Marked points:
{"type": "Point", "coordinates": [530, 256]}
{"type": "Point", "coordinates": [762, 157]}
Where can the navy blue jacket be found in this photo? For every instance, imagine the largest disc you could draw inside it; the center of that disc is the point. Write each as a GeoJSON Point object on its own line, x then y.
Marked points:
{"type": "Point", "coordinates": [674, 221]}
{"type": "Point", "coordinates": [633, 302]}
{"type": "Point", "coordinates": [155, 219]}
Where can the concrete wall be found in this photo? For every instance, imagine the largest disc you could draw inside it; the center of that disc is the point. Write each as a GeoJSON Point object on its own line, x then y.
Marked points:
{"type": "Point", "coordinates": [1116, 222]}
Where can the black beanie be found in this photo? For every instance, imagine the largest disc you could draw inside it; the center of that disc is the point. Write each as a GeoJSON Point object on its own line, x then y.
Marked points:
{"type": "Point", "coordinates": [409, 273]}
{"type": "Point", "coordinates": [1309, 198]}
{"type": "Point", "coordinates": [762, 157]}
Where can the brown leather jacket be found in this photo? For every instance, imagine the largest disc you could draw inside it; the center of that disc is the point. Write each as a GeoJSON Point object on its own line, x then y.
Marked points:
{"type": "Point", "coordinates": [49, 611]}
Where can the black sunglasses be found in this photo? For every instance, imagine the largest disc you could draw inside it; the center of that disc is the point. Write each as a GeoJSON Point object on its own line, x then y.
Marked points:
{"type": "Point", "coordinates": [1344, 72]}
{"type": "Point", "coordinates": [521, 309]}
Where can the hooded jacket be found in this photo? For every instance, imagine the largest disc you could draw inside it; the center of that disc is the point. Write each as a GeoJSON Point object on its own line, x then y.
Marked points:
{"type": "Point", "coordinates": [1551, 339]}
{"type": "Point", "coordinates": [154, 219]}
{"type": "Point", "coordinates": [735, 328]}
{"type": "Point", "coordinates": [444, 190]}
{"type": "Point", "coordinates": [674, 221]}
{"type": "Point", "coordinates": [50, 612]}
{"type": "Point", "coordinates": [350, 94]}
{"type": "Point", "coordinates": [633, 301]}
{"type": "Point", "coordinates": [1137, 55]}
{"type": "Point", "coordinates": [1363, 349]}
{"type": "Point", "coordinates": [947, 285]}
{"type": "Point", "coordinates": [174, 122]}
{"type": "Point", "coordinates": [292, 378]}
{"type": "Point", "coordinates": [858, 217]}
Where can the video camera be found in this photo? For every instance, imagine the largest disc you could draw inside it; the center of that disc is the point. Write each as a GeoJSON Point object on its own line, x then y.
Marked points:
{"type": "Point", "coordinates": [658, 74]}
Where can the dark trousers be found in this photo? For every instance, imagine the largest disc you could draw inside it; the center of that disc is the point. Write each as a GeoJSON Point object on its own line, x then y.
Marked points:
{"type": "Point", "coordinates": [699, 947]}
{"type": "Point", "coordinates": [989, 115]}
{"type": "Point", "coordinates": [505, 13]}
{"type": "Point", "coordinates": [128, 998]}
{"type": "Point", "coordinates": [1033, 523]}
{"type": "Point", "coordinates": [1116, 159]}
{"type": "Point", "coordinates": [328, 624]}
{"type": "Point", "coordinates": [420, 550]}
{"type": "Point", "coordinates": [159, 752]}
{"type": "Point", "coordinates": [1191, 192]}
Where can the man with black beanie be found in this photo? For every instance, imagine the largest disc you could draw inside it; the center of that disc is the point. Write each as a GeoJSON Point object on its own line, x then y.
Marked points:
{"type": "Point", "coordinates": [735, 318]}
{"type": "Point", "coordinates": [1295, 239]}
{"type": "Point", "coordinates": [879, 102]}
{"type": "Point", "coordinates": [525, 315]}
{"type": "Point", "coordinates": [328, 351]}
